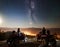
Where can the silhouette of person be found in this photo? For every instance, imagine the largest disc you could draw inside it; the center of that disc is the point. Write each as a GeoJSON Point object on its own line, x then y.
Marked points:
{"type": "Point", "coordinates": [43, 31]}
{"type": "Point", "coordinates": [39, 35]}
{"type": "Point", "coordinates": [43, 35]}
{"type": "Point", "coordinates": [48, 32]}
{"type": "Point", "coordinates": [20, 36]}
{"type": "Point", "coordinates": [18, 32]}
{"type": "Point", "coordinates": [50, 39]}
{"type": "Point", "coordinates": [11, 39]}
{"type": "Point", "coordinates": [13, 36]}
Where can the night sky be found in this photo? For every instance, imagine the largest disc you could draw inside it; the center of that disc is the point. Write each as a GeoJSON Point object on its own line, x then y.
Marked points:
{"type": "Point", "coordinates": [14, 13]}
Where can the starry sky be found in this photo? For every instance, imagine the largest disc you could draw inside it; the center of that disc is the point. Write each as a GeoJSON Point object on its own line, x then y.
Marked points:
{"type": "Point", "coordinates": [14, 13]}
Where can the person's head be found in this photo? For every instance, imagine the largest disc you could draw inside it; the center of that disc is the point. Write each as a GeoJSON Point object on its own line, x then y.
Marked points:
{"type": "Point", "coordinates": [13, 32]}
{"type": "Point", "coordinates": [43, 30]}
{"type": "Point", "coordinates": [18, 30]}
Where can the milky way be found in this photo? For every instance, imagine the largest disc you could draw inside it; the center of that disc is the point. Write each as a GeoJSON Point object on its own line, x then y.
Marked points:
{"type": "Point", "coordinates": [30, 4]}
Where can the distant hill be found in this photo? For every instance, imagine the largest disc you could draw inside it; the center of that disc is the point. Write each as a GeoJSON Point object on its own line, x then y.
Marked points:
{"type": "Point", "coordinates": [55, 30]}
{"type": "Point", "coordinates": [30, 30]}
{"type": "Point", "coordinates": [5, 29]}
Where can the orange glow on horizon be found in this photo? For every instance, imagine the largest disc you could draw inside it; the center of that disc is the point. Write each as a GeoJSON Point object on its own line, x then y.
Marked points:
{"type": "Point", "coordinates": [28, 33]}
{"type": "Point", "coordinates": [58, 36]}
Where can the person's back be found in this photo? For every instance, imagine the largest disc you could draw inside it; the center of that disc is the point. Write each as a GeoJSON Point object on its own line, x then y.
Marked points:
{"type": "Point", "coordinates": [18, 33]}
{"type": "Point", "coordinates": [13, 35]}
{"type": "Point", "coordinates": [12, 38]}
{"type": "Point", "coordinates": [43, 35]}
{"type": "Point", "coordinates": [53, 40]}
{"type": "Point", "coordinates": [43, 31]}
{"type": "Point", "coordinates": [48, 35]}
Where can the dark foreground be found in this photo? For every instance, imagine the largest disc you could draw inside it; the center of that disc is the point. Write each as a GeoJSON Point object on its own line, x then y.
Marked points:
{"type": "Point", "coordinates": [24, 45]}
{"type": "Point", "coordinates": [29, 44]}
